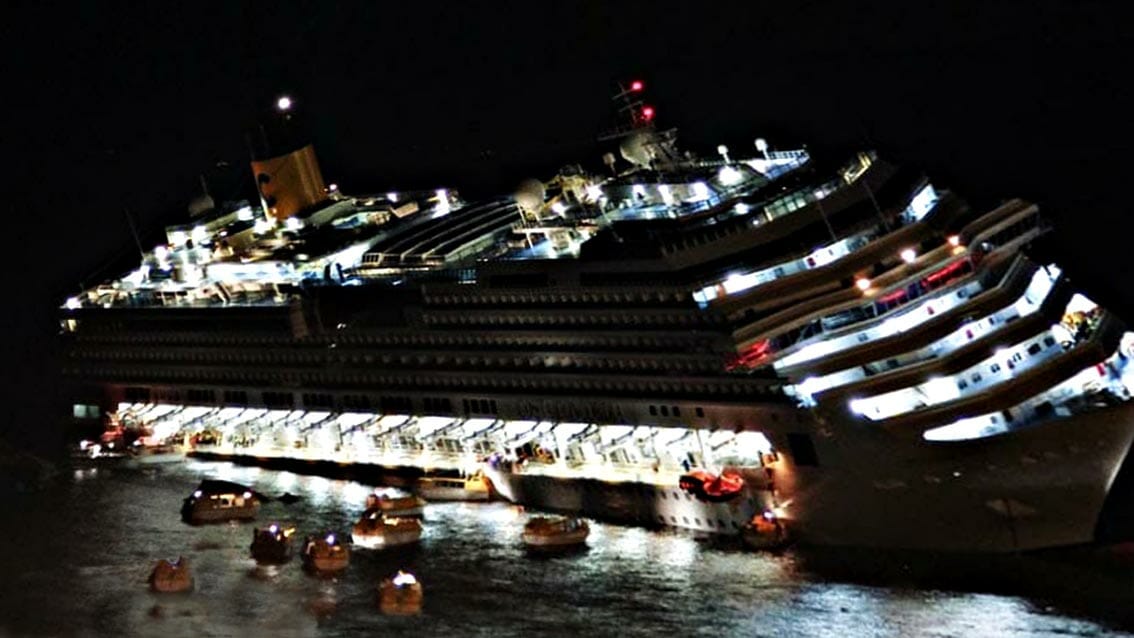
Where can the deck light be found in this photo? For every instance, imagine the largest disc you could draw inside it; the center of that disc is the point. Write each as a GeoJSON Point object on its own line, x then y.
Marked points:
{"type": "Point", "coordinates": [908, 255]}
{"type": "Point", "coordinates": [637, 85]}
{"type": "Point", "coordinates": [647, 113]}
{"type": "Point", "coordinates": [863, 283]}
{"type": "Point", "coordinates": [283, 104]}
{"type": "Point", "coordinates": [954, 240]}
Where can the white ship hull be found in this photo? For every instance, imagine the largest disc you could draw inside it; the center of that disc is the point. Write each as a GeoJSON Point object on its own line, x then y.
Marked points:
{"type": "Point", "coordinates": [1043, 486]}
{"type": "Point", "coordinates": [1040, 487]}
{"type": "Point", "coordinates": [629, 502]}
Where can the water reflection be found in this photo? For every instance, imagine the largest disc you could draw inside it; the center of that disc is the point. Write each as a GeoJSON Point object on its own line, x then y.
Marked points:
{"type": "Point", "coordinates": [88, 542]}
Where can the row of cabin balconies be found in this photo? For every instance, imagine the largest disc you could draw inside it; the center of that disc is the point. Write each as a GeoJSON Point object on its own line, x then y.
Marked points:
{"type": "Point", "coordinates": [736, 234]}
{"type": "Point", "coordinates": [638, 341]}
{"type": "Point", "coordinates": [964, 357]}
{"type": "Point", "coordinates": [1010, 286]}
{"type": "Point", "coordinates": [988, 260]}
{"type": "Point", "coordinates": [597, 318]}
{"type": "Point", "coordinates": [527, 297]}
{"type": "Point", "coordinates": [882, 254]}
{"type": "Point", "coordinates": [507, 383]}
{"type": "Point", "coordinates": [1006, 394]}
{"type": "Point", "coordinates": [992, 243]}
{"type": "Point", "coordinates": [667, 363]}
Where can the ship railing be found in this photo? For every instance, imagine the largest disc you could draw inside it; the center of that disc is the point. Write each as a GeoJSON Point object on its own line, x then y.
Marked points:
{"type": "Point", "coordinates": [930, 359]}
{"type": "Point", "coordinates": [829, 308]}
{"type": "Point", "coordinates": [979, 299]}
{"type": "Point", "coordinates": [825, 258]}
{"type": "Point", "coordinates": [1102, 341]}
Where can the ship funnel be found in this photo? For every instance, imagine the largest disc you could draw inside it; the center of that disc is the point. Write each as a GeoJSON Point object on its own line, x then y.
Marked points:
{"type": "Point", "coordinates": [289, 183]}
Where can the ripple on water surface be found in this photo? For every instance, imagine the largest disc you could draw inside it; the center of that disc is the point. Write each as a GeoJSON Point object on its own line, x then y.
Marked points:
{"type": "Point", "coordinates": [86, 546]}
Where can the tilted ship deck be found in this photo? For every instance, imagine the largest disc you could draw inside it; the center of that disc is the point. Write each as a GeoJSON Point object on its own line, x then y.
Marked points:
{"type": "Point", "coordinates": [883, 365]}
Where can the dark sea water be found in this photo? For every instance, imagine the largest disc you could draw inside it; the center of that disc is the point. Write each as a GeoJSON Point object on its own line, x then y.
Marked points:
{"type": "Point", "coordinates": [79, 549]}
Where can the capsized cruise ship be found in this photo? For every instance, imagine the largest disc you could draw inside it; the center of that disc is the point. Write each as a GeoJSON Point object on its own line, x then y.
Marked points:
{"type": "Point", "coordinates": [874, 362]}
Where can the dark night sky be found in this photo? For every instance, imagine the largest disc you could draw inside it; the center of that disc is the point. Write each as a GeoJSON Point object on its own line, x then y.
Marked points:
{"type": "Point", "coordinates": [112, 106]}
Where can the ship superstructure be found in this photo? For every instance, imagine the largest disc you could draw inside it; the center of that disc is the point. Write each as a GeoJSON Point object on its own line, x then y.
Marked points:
{"type": "Point", "coordinates": [883, 365]}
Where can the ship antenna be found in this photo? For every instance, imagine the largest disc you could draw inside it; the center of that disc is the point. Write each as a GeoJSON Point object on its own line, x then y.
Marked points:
{"type": "Point", "coordinates": [134, 232]}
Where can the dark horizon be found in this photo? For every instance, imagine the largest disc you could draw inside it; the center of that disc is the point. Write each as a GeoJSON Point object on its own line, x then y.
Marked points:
{"type": "Point", "coordinates": [123, 110]}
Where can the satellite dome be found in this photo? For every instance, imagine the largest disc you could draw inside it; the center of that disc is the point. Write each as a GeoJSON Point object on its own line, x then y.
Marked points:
{"type": "Point", "coordinates": [530, 195]}
{"type": "Point", "coordinates": [635, 149]}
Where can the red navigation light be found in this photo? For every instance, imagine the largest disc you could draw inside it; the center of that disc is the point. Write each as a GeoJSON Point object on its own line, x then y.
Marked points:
{"type": "Point", "coordinates": [637, 85]}
{"type": "Point", "coordinates": [647, 113]}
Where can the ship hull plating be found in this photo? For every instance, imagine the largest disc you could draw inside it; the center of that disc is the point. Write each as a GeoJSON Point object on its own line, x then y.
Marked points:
{"type": "Point", "coordinates": [1040, 487]}
{"type": "Point", "coordinates": [629, 502]}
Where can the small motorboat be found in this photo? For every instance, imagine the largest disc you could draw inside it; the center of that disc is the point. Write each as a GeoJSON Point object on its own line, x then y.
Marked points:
{"type": "Point", "coordinates": [171, 576]}
{"type": "Point", "coordinates": [469, 488]}
{"type": "Point", "coordinates": [400, 594]}
{"type": "Point", "coordinates": [711, 488]}
{"type": "Point", "coordinates": [376, 530]}
{"type": "Point", "coordinates": [272, 545]}
{"type": "Point", "coordinates": [764, 532]}
{"type": "Point", "coordinates": [395, 502]}
{"type": "Point", "coordinates": [219, 501]}
{"type": "Point", "coordinates": [544, 532]}
{"type": "Point", "coordinates": [325, 554]}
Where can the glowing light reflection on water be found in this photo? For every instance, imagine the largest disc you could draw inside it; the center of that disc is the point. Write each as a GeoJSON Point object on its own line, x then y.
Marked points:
{"type": "Point", "coordinates": [88, 542]}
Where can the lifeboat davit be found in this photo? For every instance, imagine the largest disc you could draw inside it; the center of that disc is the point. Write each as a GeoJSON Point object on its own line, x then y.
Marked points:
{"type": "Point", "coordinates": [709, 487]}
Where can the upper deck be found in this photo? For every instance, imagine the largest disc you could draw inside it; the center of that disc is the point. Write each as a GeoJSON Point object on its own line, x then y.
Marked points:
{"type": "Point", "coordinates": [248, 258]}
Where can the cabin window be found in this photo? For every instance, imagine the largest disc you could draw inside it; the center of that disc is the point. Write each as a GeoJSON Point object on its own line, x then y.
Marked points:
{"type": "Point", "coordinates": [664, 411]}
{"type": "Point", "coordinates": [994, 368]}
{"type": "Point", "coordinates": [676, 411]}
{"type": "Point", "coordinates": [700, 412]}
{"type": "Point", "coordinates": [1049, 341]}
{"type": "Point", "coordinates": [653, 410]}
